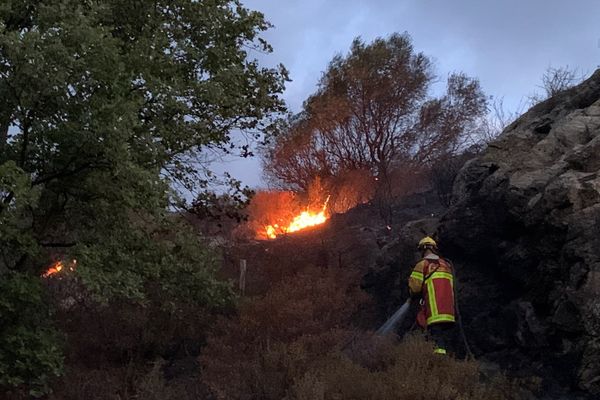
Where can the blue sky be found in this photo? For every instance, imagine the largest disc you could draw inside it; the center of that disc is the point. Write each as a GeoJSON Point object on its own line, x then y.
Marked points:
{"type": "Point", "coordinates": [506, 44]}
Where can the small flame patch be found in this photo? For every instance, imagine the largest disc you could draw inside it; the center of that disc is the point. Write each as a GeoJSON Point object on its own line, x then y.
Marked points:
{"type": "Point", "coordinates": [57, 267]}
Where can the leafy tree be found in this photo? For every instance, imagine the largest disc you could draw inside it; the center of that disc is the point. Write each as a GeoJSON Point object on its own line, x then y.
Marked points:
{"type": "Point", "coordinates": [373, 111]}
{"type": "Point", "coordinates": [105, 106]}
{"type": "Point", "coordinates": [29, 351]}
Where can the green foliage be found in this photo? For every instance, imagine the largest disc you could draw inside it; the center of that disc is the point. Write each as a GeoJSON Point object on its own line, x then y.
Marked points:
{"type": "Point", "coordinates": [188, 272]}
{"type": "Point", "coordinates": [163, 252]}
{"type": "Point", "coordinates": [15, 187]}
{"type": "Point", "coordinates": [105, 107]}
{"type": "Point", "coordinates": [230, 205]}
{"type": "Point", "coordinates": [29, 354]}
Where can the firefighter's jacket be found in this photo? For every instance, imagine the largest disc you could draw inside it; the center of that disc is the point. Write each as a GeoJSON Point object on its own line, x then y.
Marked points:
{"type": "Point", "coordinates": [432, 278]}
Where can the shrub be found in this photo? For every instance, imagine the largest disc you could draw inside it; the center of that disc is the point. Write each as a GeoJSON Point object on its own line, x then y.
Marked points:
{"type": "Point", "coordinates": [443, 173]}
{"type": "Point", "coordinates": [313, 367]}
{"type": "Point", "coordinates": [408, 370]}
{"type": "Point", "coordinates": [29, 355]}
{"type": "Point", "coordinates": [297, 342]}
{"type": "Point", "coordinates": [112, 342]}
{"type": "Point", "coordinates": [259, 352]}
{"type": "Point", "coordinates": [126, 382]}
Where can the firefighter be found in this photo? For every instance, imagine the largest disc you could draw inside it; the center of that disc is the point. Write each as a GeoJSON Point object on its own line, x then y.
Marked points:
{"type": "Point", "coordinates": [432, 280]}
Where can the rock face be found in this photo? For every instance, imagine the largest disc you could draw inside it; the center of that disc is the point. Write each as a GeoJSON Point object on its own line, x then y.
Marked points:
{"type": "Point", "coordinates": [524, 228]}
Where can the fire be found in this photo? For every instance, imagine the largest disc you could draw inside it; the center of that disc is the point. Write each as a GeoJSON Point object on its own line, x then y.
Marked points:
{"type": "Point", "coordinates": [57, 267]}
{"type": "Point", "coordinates": [272, 231]}
{"type": "Point", "coordinates": [305, 219]}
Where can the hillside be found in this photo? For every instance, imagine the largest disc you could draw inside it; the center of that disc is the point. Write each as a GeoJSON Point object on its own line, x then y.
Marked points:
{"type": "Point", "coordinates": [525, 223]}
{"type": "Point", "coordinates": [246, 200]}
{"type": "Point", "coordinates": [522, 231]}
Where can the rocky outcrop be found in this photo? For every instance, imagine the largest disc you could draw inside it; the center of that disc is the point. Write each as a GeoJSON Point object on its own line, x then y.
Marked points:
{"type": "Point", "coordinates": [524, 228]}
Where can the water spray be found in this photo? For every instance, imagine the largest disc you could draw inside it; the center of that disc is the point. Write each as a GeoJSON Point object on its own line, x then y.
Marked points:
{"type": "Point", "coordinates": [395, 319]}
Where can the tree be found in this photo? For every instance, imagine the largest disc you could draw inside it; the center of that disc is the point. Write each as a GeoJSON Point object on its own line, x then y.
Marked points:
{"type": "Point", "coordinates": [554, 81]}
{"type": "Point", "coordinates": [373, 111]}
{"type": "Point", "coordinates": [104, 105]}
{"type": "Point", "coordinates": [496, 121]}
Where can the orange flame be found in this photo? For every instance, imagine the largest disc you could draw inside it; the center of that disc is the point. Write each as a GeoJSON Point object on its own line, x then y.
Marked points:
{"type": "Point", "coordinates": [58, 266]}
{"type": "Point", "coordinates": [305, 219]}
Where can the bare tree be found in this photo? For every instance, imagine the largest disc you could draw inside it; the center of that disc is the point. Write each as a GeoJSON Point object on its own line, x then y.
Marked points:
{"type": "Point", "coordinates": [494, 123]}
{"type": "Point", "coordinates": [554, 81]}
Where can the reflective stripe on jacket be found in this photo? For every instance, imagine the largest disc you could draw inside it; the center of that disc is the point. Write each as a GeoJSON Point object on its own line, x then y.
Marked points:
{"type": "Point", "coordinates": [438, 290]}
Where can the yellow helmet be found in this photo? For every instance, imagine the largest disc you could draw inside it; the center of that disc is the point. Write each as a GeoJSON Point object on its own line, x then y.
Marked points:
{"type": "Point", "coordinates": [427, 241]}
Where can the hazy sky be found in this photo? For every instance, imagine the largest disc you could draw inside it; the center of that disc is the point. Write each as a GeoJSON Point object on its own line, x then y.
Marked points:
{"type": "Point", "coordinates": [507, 44]}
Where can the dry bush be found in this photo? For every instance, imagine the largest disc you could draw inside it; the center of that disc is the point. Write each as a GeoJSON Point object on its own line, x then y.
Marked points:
{"type": "Point", "coordinates": [350, 189]}
{"type": "Point", "coordinates": [319, 191]}
{"type": "Point", "coordinates": [129, 382]}
{"type": "Point", "coordinates": [408, 370]}
{"type": "Point", "coordinates": [153, 386]}
{"type": "Point", "coordinates": [407, 181]}
{"type": "Point", "coordinates": [443, 173]}
{"type": "Point", "coordinates": [107, 383]}
{"type": "Point", "coordinates": [125, 332]}
{"type": "Point", "coordinates": [554, 81]}
{"type": "Point", "coordinates": [296, 342]}
{"type": "Point", "coordinates": [257, 354]}
{"type": "Point", "coordinates": [112, 349]}
{"type": "Point", "coordinates": [314, 368]}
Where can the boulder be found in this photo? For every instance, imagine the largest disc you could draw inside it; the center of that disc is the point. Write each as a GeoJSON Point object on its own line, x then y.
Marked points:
{"type": "Point", "coordinates": [525, 219]}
